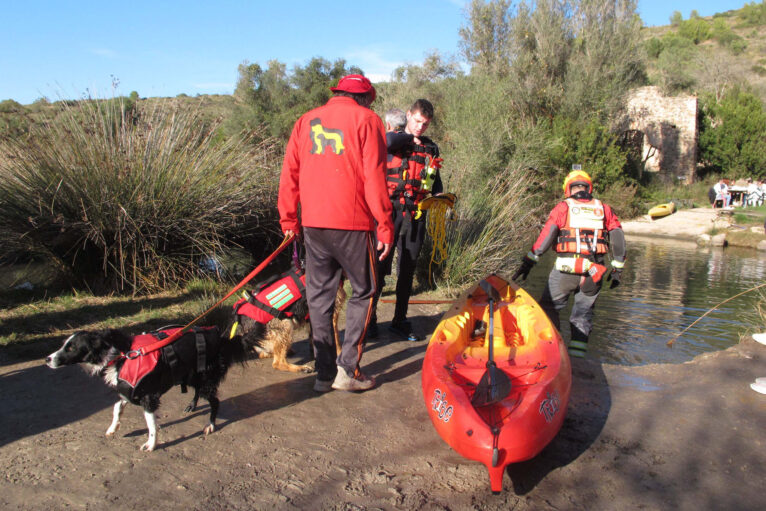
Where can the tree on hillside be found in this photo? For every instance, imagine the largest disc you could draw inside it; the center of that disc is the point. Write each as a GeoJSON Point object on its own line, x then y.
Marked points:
{"type": "Point", "coordinates": [485, 40]}
{"type": "Point", "coordinates": [675, 64]}
{"type": "Point", "coordinates": [607, 57]}
{"type": "Point", "coordinates": [576, 58]}
{"type": "Point", "coordinates": [275, 98]}
{"type": "Point", "coordinates": [733, 134]}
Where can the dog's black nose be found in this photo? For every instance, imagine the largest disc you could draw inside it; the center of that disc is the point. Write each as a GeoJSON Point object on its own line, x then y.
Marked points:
{"type": "Point", "coordinates": [48, 359]}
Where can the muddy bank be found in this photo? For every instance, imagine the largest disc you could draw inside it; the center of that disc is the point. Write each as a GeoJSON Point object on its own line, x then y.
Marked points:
{"type": "Point", "coordinates": [688, 436]}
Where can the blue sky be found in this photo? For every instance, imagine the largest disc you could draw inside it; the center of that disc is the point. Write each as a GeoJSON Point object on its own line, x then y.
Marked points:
{"type": "Point", "coordinates": [163, 48]}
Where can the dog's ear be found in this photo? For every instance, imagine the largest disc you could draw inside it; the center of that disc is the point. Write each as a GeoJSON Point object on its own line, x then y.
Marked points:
{"type": "Point", "coordinates": [115, 338]}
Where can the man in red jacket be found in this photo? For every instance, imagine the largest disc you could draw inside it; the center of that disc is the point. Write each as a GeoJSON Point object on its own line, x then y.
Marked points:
{"type": "Point", "coordinates": [335, 168]}
{"type": "Point", "coordinates": [582, 230]}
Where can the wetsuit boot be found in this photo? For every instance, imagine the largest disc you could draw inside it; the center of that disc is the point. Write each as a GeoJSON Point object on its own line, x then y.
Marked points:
{"type": "Point", "coordinates": [578, 346]}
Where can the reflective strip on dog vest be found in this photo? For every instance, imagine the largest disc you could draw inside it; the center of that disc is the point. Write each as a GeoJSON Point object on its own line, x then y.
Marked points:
{"type": "Point", "coordinates": [279, 296]}
{"type": "Point", "coordinates": [273, 298]}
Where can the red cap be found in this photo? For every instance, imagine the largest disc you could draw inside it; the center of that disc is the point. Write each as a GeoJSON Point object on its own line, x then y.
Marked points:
{"type": "Point", "coordinates": [356, 84]}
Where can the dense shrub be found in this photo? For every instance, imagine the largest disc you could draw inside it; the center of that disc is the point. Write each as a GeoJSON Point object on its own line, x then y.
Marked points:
{"type": "Point", "coordinates": [695, 29]}
{"type": "Point", "coordinates": [129, 200]}
{"type": "Point", "coordinates": [653, 47]}
{"type": "Point", "coordinates": [733, 134]}
{"type": "Point", "coordinates": [753, 13]}
{"type": "Point", "coordinates": [676, 64]}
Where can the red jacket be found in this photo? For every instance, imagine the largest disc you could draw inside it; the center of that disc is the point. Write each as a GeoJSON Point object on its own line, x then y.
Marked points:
{"type": "Point", "coordinates": [335, 167]}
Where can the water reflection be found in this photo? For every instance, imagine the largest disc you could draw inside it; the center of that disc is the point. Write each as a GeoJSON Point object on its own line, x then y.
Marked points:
{"type": "Point", "coordinates": [667, 285]}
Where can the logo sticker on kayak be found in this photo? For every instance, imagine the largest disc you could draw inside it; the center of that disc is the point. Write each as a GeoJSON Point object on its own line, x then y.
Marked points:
{"type": "Point", "coordinates": [440, 405]}
{"type": "Point", "coordinates": [550, 406]}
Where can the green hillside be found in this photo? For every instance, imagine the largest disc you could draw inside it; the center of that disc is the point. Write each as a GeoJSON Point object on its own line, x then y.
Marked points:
{"type": "Point", "coordinates": [708, 54]}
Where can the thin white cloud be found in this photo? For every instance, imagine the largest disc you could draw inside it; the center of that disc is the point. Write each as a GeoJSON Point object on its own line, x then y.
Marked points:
{"type": "Point", "coordinates": [375, 64]}
{"type": "Point", "coordinates": [377, 78]}
{"type": "Point", "coordinates": [104, 52]}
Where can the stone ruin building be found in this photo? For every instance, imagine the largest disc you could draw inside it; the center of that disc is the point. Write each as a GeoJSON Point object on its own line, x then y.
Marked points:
{"type": "Point", "coordinates": [666, 130]}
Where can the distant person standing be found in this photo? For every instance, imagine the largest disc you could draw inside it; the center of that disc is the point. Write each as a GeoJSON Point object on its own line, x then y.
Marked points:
{"type": "Point", "coordinates": [412, 175]}
{"type": "Point", "coordinates": [334, 168]}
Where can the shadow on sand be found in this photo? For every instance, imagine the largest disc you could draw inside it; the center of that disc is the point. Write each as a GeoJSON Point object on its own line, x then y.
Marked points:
{"type": "Point", "coordinates": [589, 405]}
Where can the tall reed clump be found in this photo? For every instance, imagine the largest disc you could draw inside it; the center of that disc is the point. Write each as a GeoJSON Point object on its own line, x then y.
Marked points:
{"type": "Point", "coordinates": [493, 226]}
{"type": "Point", "coordinates": [492, 163]}
{"type": "Point", "coordinates": [129, 200]}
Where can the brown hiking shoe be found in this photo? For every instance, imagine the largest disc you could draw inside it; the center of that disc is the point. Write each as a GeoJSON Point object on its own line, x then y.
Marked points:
{"type": "Point", "coordinates": [345, 382]}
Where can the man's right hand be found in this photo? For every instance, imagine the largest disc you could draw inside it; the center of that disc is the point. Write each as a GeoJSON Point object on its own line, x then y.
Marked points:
{"type": "Point", "coordinates": [386, 248]}
{"type": "Point", "coordinates": [524, 269]}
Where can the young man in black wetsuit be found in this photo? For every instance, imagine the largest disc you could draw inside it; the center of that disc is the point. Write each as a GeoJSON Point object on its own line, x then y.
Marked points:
{"type": "Point", "coordinates": [412, 174]}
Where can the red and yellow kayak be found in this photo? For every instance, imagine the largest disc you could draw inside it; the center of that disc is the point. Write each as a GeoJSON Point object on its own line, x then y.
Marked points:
{"type": "Point", "coordinates": [532, 394]}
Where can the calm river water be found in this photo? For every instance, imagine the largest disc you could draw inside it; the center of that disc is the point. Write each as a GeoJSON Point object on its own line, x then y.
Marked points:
{"type": "Point", "coordinates": [667, 285]}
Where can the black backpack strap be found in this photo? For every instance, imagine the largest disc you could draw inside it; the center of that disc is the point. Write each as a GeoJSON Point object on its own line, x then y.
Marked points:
{"type": "Point", "coordinates": [171, 358]}
{"type": "Point", "coordinates": [276, 313]}
{"type": "Point", "coordinates": [296, 277]}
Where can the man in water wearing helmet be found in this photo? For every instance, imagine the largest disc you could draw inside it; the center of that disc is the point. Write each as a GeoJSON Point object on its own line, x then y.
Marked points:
{"type": "Point", "coordinates": [581, 229]}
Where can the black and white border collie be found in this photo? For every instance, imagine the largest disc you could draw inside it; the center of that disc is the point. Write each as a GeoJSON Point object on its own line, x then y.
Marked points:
{"type": "Point", "coordinates": [100, 353]}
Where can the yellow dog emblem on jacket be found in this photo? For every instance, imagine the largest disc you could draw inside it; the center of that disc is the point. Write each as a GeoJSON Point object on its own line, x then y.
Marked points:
{"type": "Point", "coordinates": [323, 138]}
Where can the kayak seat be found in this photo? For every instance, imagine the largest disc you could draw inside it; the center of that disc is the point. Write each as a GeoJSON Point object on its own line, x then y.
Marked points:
{"type": "Point", "coordinates": [508, 332]}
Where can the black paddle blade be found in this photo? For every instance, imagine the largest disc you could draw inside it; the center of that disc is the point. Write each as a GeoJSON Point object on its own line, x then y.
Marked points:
{"type": "Point", "coordinates": [492, 293]}
{"type": "Point", "coordinates": [493, 387]}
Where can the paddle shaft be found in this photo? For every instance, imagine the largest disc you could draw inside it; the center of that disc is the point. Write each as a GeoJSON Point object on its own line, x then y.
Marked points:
{"type": "Point", "coordinates": [494, 384]}
{"type": "Point", "coordinates": [491, 354]}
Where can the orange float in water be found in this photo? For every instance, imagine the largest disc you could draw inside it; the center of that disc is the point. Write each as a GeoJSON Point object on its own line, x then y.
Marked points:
{"type": "Point", "coordinates": [504, 412]}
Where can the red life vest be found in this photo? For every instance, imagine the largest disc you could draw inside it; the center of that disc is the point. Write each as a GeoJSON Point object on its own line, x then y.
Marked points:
{"type": "Point", "coordinates": [405, 175]}
{"type": "Point", "coordinates": [273, 297]}
{"type": "Point", "coordinates": [584, 230]}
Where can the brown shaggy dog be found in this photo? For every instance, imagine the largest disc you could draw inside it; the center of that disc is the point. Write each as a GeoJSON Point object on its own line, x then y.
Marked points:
{"type": "Point", "coordinates": [275, 338]}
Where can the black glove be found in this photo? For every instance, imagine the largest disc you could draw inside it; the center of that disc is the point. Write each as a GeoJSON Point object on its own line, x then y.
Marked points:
{"type": "Point", "coordinates": [615, 275]}
{"type": "Point", "coordinates": [523, 271]}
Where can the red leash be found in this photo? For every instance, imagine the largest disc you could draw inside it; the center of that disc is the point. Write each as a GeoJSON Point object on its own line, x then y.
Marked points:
{"type": "Point", "coordinates": [417, 302]}
{"type": "Point", "coordinates": [164, 342]}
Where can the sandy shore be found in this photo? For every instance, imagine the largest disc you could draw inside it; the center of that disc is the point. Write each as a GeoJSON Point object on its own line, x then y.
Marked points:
{"type": "Point", "coordinates": [684, 224]}
{"type": "Point", "coordinates": [688, 436]}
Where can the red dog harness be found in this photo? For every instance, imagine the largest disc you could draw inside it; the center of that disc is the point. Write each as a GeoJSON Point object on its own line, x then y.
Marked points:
{"type": "Point", "coordinates": [137, 367]}
{"type": "Point", "coordinates": [273, 297]}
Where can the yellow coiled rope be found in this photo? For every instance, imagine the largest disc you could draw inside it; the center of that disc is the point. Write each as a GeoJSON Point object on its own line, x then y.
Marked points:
{"type": "Point", "coordinates": [438, 207]}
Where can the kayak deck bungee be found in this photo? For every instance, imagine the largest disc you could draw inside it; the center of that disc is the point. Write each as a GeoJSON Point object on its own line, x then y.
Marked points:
{"type": "Point", "coordinates": [536, 378]}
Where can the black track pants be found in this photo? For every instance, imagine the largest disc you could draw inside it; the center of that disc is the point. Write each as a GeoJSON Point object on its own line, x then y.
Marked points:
{"type": "Point", "coordinates": [329, 252]}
